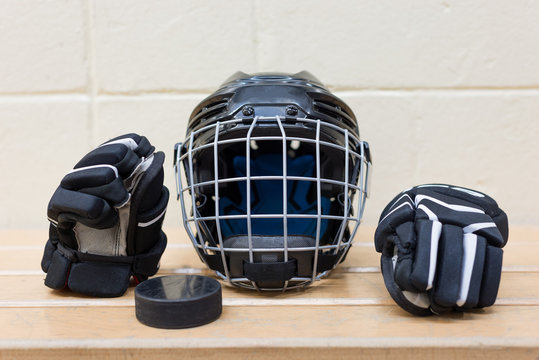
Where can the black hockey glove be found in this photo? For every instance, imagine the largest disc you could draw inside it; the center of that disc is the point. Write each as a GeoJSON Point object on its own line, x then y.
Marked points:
{"type": "Point", "coordinates": [106, 219]}
{"type": "Point", "coordinates": [441, 248]}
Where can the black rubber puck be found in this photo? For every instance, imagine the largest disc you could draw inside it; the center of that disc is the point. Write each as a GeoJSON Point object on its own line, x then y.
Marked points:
{"type": "Point", "coordinates": [178, 301]}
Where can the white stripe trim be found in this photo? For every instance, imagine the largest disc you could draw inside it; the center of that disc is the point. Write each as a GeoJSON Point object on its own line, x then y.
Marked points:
{"type": "Point", "coordinates": [477, 226]}
{"type": "Point", "coordinates": [148, 223]}
{"type": "Point", "coordinates": [432, 185]}
{"type": "Point", "coordinates": [397, 208]}
{"type": "Point", "coordinates": [130, 143]}
{"type": "Point", "coordinates": [95, 167]}
{"type": "Point", "coordinates": [434, 240]}
{"type": "Point", "coordinates": [399, 199]}
{"type": "Point", "coordinates": [432, 216]}
{"type": "Point", "coordinates": [470, 246]}
{"type": "Point", "coordinates": [460, 208]}
{"type": "Point", "coordinates": [468, 191]}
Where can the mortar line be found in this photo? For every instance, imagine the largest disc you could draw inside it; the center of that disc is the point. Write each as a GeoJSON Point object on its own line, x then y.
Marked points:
{"type": "Point", "coordinates": [92, 91]}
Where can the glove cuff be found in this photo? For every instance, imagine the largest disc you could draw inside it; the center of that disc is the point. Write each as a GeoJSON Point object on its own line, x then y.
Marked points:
{"type": "Point", "coordinates": [97, 275]}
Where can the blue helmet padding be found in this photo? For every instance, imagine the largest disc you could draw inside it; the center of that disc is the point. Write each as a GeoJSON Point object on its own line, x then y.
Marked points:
{"type": "Point", "coordinates": [267, 198]}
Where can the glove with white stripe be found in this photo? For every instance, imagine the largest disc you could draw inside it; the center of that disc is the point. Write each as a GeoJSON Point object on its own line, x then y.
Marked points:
{"type": "Point", "coordinates": [441, 248]}
{"type": "Point", "coordinates": [106, 219]}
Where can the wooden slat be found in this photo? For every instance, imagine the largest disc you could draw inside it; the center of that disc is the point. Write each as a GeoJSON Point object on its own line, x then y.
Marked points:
{"type": "Point", "coordinates": [316, 326]}
{"type": "Point", "coordinates": [180, 254]}
{"type": "Point", "coordinates": [268, 352]}
{"type": "Point", "coordinates": [348, 315]}
{"type": "Point", "coordinates": [339, 288]}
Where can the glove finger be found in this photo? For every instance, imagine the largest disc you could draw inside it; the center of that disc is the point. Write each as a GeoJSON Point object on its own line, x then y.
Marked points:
{"type": "Point", "coordinates": [491, 276]}
{"type": "Point", "coordinates": [139, 144]}
{"type": "Point", "coordinates": [99, 180]}
{"type": "Point", "coordinates": [475, 248]}
{"type": "Point", "coordinates": [460, 213]}
{"type": "Point", "coordinates": [403, 267]}
{"type": "Point", "coordinates": [463, 200]}
{"type": "Point", "coordinates": [116, 154]}
{"type": "Point", "coordinates": [67, 206]}
{"type": "Point", "coordinates": [478, 198]}
{"type": "Point", "coordinates": [449, 269]}
{"type": "Point", "coordinates": [400, 212]}
{"type": "Point", "coordinates": [502, 223]}
{"type": "Point", "coordinates": [151, 183]}
{"type": "Point", "coordinates": [426, 253]}
{"type": "Point", "coordinates": [50, 247]}
{"type": "Point", "coordinates": [148, 205]}
{"type": "Point", "coordinates": [487, 230]}
{"type": "Point", "coordinates": [452, 211]}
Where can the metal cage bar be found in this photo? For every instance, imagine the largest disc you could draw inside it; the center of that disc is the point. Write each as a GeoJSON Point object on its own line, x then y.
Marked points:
{"type": "Point", "coordinates": [285, 196]}
{"type": "Point", "coordinates": [344, 223]}
{"type": "Point", "coordinates": [248, 192]}
{"type": "Point", "coordinates": [179, 182]}
{"type": "Point", "coordinates": [318, 202]}
{"type": "Point", "coordinates": [216, 191]}
{"type": "Point", "coordinates": [274, 177]}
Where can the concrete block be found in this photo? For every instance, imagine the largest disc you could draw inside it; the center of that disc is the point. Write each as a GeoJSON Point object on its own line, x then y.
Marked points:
{"type": "Point", "coordinates": [486, 142]}
{"type": "Point", "coordinates": [40, 142]}
{"type": "Point", "coordinates": [43, 47]}
{"type": "Point", "coordinates": [483, 140]}
{"type": "Point", "coordinates": [388, 122]}
{"type": "Point", "coordinates": [387, 44]}
{"type": "Point", "coordinates": [171, 46]}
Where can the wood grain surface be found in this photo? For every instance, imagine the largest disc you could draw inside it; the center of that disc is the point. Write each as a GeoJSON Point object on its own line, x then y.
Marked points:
{"type": "Point", "coordinates": [347, 315]}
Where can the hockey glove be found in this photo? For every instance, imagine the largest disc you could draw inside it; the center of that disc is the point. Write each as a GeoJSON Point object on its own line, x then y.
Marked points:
{"type": "Point", "coordinates": [441, 248]}
{"type": "Point", "coordinates": [106, 219]}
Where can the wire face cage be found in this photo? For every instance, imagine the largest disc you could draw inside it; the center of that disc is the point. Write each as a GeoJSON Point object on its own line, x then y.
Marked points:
{"type": "Point", "coordinates": [272, 202]}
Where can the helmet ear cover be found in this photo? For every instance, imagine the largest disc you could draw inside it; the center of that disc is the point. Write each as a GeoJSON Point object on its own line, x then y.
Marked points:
{"type": "Point", "coordinates": [272, 197]}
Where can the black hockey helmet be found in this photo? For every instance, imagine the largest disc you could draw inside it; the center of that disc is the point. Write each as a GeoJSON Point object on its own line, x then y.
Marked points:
{"type": "Point", "coordinates": [274, 180]}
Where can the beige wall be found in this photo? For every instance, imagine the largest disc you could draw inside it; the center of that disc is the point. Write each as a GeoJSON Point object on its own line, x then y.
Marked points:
{"type": "Point", "coordinates": [445, 91]}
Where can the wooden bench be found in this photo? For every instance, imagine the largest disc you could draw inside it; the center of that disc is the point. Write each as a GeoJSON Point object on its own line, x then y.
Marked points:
{"type": "Point", "coordinates": [348, 315]}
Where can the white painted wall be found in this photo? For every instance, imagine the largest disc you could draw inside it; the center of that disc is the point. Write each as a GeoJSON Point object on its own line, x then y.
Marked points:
{"type": "Point", "coordinates": [445, 91]}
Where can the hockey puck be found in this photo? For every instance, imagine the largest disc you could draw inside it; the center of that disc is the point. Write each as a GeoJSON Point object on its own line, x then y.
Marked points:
{"type": "Point", "coordinates": [178, 301]}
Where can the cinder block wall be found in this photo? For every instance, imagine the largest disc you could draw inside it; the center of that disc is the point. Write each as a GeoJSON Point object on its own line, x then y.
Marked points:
{"type": "Point", "coordinates": [444, 91]}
